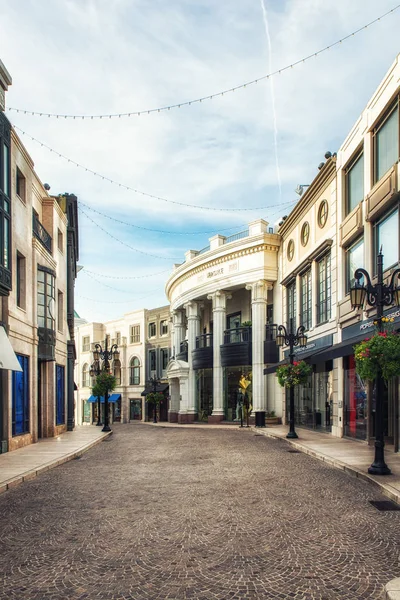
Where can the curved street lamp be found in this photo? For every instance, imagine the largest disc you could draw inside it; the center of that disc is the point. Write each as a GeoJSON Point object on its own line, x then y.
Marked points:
{"type": "Point", "coordinates": [379, 296]}
{"type": "Point", "coordinates": [105, 355]}
{"type": "Point", "coordinates": [285, 338]}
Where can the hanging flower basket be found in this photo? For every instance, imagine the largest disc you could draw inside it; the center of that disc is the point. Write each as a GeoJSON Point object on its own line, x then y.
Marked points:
{"type": "Point", "coordinates": [105, 382]}
{"type": "Point", "coordinates": [154, 398]}
{"type": "Point", "coordinates": [296, 374]}
{"type": "Point", "coordinates": [379, 354]}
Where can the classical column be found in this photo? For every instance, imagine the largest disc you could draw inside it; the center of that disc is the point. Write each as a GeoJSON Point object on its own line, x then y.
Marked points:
{"type": "Point", "coordinates": [179, 330]}
{"type": "Point", "coordinates": [219, 299]}
{"type": "Point", "coordinates": [259, 292]}
{"type": "Point", "coordinates": [193, 319]}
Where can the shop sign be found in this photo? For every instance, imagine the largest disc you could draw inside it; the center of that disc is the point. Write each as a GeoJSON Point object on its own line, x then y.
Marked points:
{"type": "Point", "coordinates": [323, 342]}
{"type": "Point", "coordinates": [367, 326]}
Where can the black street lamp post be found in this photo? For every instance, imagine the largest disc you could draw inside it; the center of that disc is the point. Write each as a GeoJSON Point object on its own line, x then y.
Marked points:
{"type": "Point", "coordinates": [105, 355]}
{"type": "Point", "coordinates": [94, 371]}
{"type": "Point", "coordinates": [154, 382]}
{"type": "Point", "coordinates": [379, 296]}
{"type": "Point", "coordinates": [285, 338]}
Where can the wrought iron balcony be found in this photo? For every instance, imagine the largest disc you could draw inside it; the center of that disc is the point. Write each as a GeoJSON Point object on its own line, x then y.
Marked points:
{"type": "Point", "coordinates": [41, 234]}
{"type": "Point", "coordinates": [204, 341]}
{"type": "Point", "coordinates": [237, 347]}
{"type": "Point", "coordinates": [237, 335]}
{"type": "Point", "coordinates": [271, 350]}
{"type": "Point", "coordinates": [202, 355]}
{"type": "Point", "coordinates": [183, 351]}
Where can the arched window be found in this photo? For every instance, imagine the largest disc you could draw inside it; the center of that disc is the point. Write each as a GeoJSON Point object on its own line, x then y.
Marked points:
{"type": "Point", "coordinates": [85, 376]}
{"type": "Point", "coordinates": [117, 371]}
{"type": "Point", "coordinates": [134, 369]}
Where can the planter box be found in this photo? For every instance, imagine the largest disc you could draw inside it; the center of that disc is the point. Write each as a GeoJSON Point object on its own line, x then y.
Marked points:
{"type": "Point", "coordinates": [273, 420]}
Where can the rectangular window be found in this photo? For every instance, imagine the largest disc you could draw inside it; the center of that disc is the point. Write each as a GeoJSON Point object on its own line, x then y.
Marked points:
{"type": "Point", "coordinates": [164, 358]}
{"type": "Point", "coordinates": [354, 174]}
{"type": "Point", "coordinates": [86, 343]}
{"type": "Point", "coordinates": [152, 330]}
{"type": "Point", "coordinates": [60, 240]}
{"type": "Point", "coordinates": [386, 236]}
{"type": "Point", "coordinates": [152, 360]}
{"type": "Point", "coordinates": [60, 395]}
{"type": "Point", "coordinates": [324, 289]}
{"type": "Point", "coordinates": [21, 281]}
{"type": "Point", "coordinates": [306, 300]}
{"type": "Point", "coordinates": [20, 397]}
{"type": "Point", "coordinates": [134, 334]}
{"type": "Point", "coordinates": [291, 305]}
{"type": "Point", "coordinates": [46, 299]}
{"type": "Point", "coordinates": [6, 170]}
{"type": "Point", "coordinates": [118, 338]}
{"type": "Point", "coordinates": [354, 260]}
{"type": "Point", "coordinates": [21, 185]}
{"type": "Point", "coordinates": [386, 143]}
{"type": "Point", "coordinates": [164, 327]}
{"type": "Point", "coordinates": [5, 207]}
{"type": "Point", "coordinates": [108, 341]}
{"type": "Point", "coordinates": [60, 311]}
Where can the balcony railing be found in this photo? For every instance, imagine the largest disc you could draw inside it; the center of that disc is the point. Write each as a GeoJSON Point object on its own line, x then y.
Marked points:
{"type": "Point", "coordinates": [237, 236]}
{"type": "Point", "coordinates": [237, 335]}
{"type": "Point", "coordinates": [204, 341]}
{"type": "Point", "coordinates": [41, 234]}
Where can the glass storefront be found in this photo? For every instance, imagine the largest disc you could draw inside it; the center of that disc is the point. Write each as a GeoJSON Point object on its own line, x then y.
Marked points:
{"type": "Point", "coordinates": [233, 397]}
{"type": "Point", "coordinates": [313, 401]}
{"type": "Point", "coordinates": [355, 402]}
{"type": "Point", "coordinates": [135, 409]}
{"type": "Point", "coordinates": [204, 392]}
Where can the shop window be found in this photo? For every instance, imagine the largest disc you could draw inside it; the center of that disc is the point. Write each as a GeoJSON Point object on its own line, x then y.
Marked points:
{"type": "Point", "coordinates": [20, 397]}
{"type": "Point", "coordinates": [324, 289]}
{"type": "Point", "coordinates": [386, 142]}
{"type": "Point", "coordinates": [355, 401]}
{"type": "Point", "coordinates": [354, 260]}
{"type": "Point", "coordinates": [86, 343]}
{"type": "Point", "coordinates": [152, 330]}
{"type": "Point", "coordinates": [60, 395]}
{"type": "Point", "coordinates": [291, 305]}
{"type": "Point", "coordinates": [306, 306]}
{"type": "Point", "coordinates": [21, 281]}
{"type": "Point", "coordinates": [21, 185]}
{"type": "Point", "coordinates": [354, 174]}
{"type": "Point", "coordinates": [386, 236]}
{"type": "Point", "coordinates": [134, 368]}
{"type": "Point", "coordinates": [134, 335]}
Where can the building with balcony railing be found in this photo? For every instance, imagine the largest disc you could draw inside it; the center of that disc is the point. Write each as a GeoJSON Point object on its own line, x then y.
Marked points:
{"type": "Point", "coordinates": [221, 302]}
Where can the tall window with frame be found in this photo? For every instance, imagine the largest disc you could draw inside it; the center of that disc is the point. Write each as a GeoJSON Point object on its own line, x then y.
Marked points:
{"type": "Point", "coordinates": [306, 295]}
{"type": "Point", "coordinates": [386, 142]}
{"type": "Point", "coordinates": [60, 393]}
{"type": "Point", "coordinates": [152, 330]}
{"type": "Point", "coordinates": [134, 337]}
{"type": "Point", "coordinates": [291, 305]}
{"type": "Point", "coordinates": [20, 397]}
{"type": "Point", "coordinates": [324, 289]}
{"type": "Point", "coordinates": [45, 299]}
{"type": "Point", "coordinates": [386, 236]}
{"type": "Point", "coordinates": [134, 367]}
{"type": "Point", "coordinates": [354, 174]}
{"type": "Point", "coordinates": [5, 204]}
{"type": "Point", "coordinates": [21, 281]}
{"type": "Point", "coordinates": [354, 260]}
{"type": "Point", "coordinates": [152, 362]}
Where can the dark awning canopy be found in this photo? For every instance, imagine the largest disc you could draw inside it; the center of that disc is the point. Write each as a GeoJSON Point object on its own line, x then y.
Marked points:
{"type": "Point", "coordinates": [149, 389]}
{"type": "Point", "coordinates": [345, 348]}
{"type": "Point", "coordinates": [312, 356]}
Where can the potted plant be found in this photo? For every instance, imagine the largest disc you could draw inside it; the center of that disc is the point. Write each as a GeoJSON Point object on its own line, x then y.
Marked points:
{"type": "Point", "coordinates": [293, 374]}
{"type": "Point", "coordinates": [379, 353]}
{"type": "Point", "coordinates": [271, 418]}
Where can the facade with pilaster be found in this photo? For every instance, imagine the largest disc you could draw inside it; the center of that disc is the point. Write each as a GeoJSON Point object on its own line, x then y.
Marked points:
{"type": "Point", "coordinates": [222, 306]}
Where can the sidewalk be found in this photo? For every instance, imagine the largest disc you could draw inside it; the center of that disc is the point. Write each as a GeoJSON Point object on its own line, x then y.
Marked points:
{"type": "Point", "coordinates": [28, 462]}
{"type": "Point", "coordinates": [350, 456]}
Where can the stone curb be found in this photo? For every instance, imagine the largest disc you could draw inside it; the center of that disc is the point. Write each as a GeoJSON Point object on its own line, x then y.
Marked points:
{"type": "Point", "coordinates": [392, 589]}
{"type": "Point", "coordinates": [385, 489]}
{"type": "Point", "coordinates": [28, 475]}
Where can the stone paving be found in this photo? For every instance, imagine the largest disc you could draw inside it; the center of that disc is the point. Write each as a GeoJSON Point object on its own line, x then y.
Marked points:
{"type": "Point", "coordinates": [179, 513]}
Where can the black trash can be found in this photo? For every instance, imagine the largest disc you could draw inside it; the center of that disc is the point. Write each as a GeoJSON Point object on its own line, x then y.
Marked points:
{"type": "Point", "coordinates": [260, 419]}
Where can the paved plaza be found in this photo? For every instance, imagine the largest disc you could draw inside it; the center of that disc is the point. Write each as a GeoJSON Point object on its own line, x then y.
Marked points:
{"type": "Point", "coordinates": [179, 513]}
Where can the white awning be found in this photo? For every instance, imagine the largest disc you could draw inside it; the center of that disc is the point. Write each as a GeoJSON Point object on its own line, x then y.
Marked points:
{"type": "Point", "coordinates": [8, 360]}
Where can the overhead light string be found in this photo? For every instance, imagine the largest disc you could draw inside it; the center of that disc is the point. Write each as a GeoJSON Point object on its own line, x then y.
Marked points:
{"type": "Point", "coordinates": [211, 96]}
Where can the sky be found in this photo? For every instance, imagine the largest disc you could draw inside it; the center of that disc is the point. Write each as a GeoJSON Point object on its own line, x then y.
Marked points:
{"type": "Point", "coordinates": [245, 150]}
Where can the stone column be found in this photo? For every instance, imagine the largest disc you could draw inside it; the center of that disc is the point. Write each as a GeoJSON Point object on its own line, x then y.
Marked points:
{"type": "Point", "coordinates": [219, 299]}
{"type": "Point", "coordinates": [179, 330]}
{"type": "Point", "coordinates": [259, 292]}
{"type": "Point", "coordinates": [193, 318]}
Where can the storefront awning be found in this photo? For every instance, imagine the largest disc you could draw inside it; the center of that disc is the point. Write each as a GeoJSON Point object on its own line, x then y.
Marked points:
{"type": "Point", "coordinates": [342, 349]}
{"type": "Point", "coordinates": [149, 389]}
{"type": "Point", "coordinates": [312, 356]}
{"type": "Point", "coordinates": [8, 359]}
{"type": "Point", "coordinates": [111, 398]}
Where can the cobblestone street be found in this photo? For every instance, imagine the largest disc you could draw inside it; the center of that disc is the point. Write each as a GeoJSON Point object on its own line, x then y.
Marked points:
{"type": "Point", "coordinates": [178, 513]}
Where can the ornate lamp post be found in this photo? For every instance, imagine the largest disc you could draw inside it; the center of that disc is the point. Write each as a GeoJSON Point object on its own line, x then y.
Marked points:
{"type": "Point", "coordinates": [94, 371]}
{"type": "Point", "coordinates": [285, 338]}
{"type": "Point", "coordinates": [379, 296]}
{"type": "Point", "coordinates": [105, 355]}
{"type": "Point", "coordinates": [154, 382]}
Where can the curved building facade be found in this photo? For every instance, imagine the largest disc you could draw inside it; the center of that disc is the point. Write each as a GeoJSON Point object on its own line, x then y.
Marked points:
{"type": "Point", "coordinates": [221, 301]}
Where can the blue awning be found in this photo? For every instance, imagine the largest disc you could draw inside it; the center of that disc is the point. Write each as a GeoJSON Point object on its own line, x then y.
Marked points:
{"type": "Point", "coordinates": [112, 398]}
